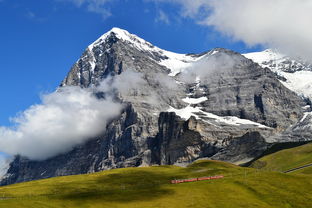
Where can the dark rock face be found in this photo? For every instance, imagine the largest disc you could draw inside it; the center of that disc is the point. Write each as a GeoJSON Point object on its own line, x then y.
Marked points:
{"type": "Point", "coordinates": [146, 134]}
{"type": "Point", "coordinates": [250, 145]}
{"type": "Point", "coordinates": [178, 141]}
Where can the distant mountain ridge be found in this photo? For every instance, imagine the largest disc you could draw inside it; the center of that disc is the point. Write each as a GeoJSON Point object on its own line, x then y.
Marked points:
{"type": "Point", "coordinates": [177, 108]}
{"type": "Point", "coordinates": [277, 61]}
{"type": "Point", "coordinates": [294, 73]}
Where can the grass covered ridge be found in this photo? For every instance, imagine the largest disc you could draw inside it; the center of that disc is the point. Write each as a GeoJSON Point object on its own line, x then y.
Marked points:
{"type": "Point", "coordinates": [150, 187]}
{"type": "Point", "coordinates": [286, 159]}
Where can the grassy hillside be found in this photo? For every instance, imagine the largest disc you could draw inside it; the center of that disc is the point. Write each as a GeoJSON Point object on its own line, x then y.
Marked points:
{"type": "Point", "coordinates": [150, 187]}
{"type": "Point", "coordinates": [286, 159]}
{"type": "Point", "coordinates": [307, 171]}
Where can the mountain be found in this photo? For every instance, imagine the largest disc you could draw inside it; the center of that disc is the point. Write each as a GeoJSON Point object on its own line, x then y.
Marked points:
{"type": "Point", "coordinates": [294, 73]}
{"type": "Point", "coordinates": [279, 62]}
{"type": "Point", "coordinates": [177, 108]}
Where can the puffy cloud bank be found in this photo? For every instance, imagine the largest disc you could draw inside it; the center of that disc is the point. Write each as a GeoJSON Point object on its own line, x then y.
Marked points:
{"type": "Point", "coordinates": [69, 117]}
{"type": "Point", "coordinates": [65, 119]}
{"type": "Point", "coordinates": [281, 24]}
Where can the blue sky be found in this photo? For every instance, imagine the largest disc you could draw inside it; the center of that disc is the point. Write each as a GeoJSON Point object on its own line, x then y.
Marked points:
{"type": "Point", "coordinates": [40, 40]}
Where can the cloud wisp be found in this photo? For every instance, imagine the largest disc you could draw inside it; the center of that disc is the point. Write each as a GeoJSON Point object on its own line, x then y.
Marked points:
{"type": "Point", "coordinates": [162, 17]}
{"type": "Point", "coordinates": [65, 119]}
{"type": "Point", "coordinates": [4, 165]}
{"type": "Point", "coordinates": [280, 24]}
{"type": "Point", "coordinates": [209, 67]}
{"type": "Point", "coordinates": [96, 6]}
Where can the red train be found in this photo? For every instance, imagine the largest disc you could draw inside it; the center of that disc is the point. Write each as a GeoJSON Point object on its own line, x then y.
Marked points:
{"type": "Point", "coordinates": [196, 179]}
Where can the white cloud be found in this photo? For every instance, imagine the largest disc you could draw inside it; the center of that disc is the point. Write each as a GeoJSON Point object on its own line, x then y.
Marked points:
{"type": "Point", "coordinates": [136, 87]}
{"type": "Point", "coordinates": [190, 8]}
{"type": "Point", "coordinates": [130, 83]}
{"type": "Point", "coordinates": [95, 6]}
{"type": "Point", "coordinates": [281, 24]}
{"type": "Point", "coordinates": [70, 116]}
{"type": "Point", "coordinates": [4, 165]}
{"type": "Point", "coordinates": [30, 14]}
{"type": "Point", "coordinates": [162, 17]}
{"type": "Point", "coordinates": [65, 119]}
{"type": "Point", "coordinates": [33, 16]}
{"type": "Point", "coordinates": [210, 67]}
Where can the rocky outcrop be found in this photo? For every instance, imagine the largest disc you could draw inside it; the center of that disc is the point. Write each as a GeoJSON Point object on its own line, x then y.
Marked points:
{"type": "Point", "coordinates": [250, 92]}
{"type": "Point", "coordinates": [178, 141]}
{"type": "Point", "coordinates": [242, 149]}
{"type": "Point", "coordinates": [240, 110]}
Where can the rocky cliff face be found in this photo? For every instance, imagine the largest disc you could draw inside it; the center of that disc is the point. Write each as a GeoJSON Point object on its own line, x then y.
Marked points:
{"type": "Point", "coordinates": [296, 75]}
{"type": "Point", "coordinates": [218, 104]}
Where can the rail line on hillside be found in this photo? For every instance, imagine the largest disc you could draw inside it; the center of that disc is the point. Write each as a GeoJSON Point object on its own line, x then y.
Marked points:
{"type": "Point", "coordinates": [196, 179]}
{"type": "Point", "coordinates": [298, 168]}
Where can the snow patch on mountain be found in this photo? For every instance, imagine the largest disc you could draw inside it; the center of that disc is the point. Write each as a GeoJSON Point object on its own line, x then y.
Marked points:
{"type": "Point", "coordinates": [299, 82]}
{"type": "Point", "coordinates": [92, 62]}
{"type": "Point", "coordinates": [177, 62]}
{"type": "Point", "coordinates": [194, 100]}
{"type": "Point", "coordinates": [305, 123]}
{"type": "Point", "coordinates": [213, 119]}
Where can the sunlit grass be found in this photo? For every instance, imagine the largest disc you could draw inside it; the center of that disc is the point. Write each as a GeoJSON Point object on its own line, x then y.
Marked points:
{"type": "Point", "coordinates": [150, 187]}
{"type": "Point", "coordinates": [286, 159]}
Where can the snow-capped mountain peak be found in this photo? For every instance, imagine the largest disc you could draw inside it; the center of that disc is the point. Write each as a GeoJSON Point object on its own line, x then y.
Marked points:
{"type": "Point", "coordinates": [175, 62]}
{"type": "Point", "coordinates": [294, 73]}
{"type": "Point", "coordinates": [277, 61]}
{"type": "Point", "coordinates": [124, 35]}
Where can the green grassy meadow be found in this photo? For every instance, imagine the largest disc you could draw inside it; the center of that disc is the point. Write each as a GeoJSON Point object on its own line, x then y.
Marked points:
{"type": "Point", "coordinates": [286, 159]}
{"type": "Point", "coordinates": [150, 187]}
